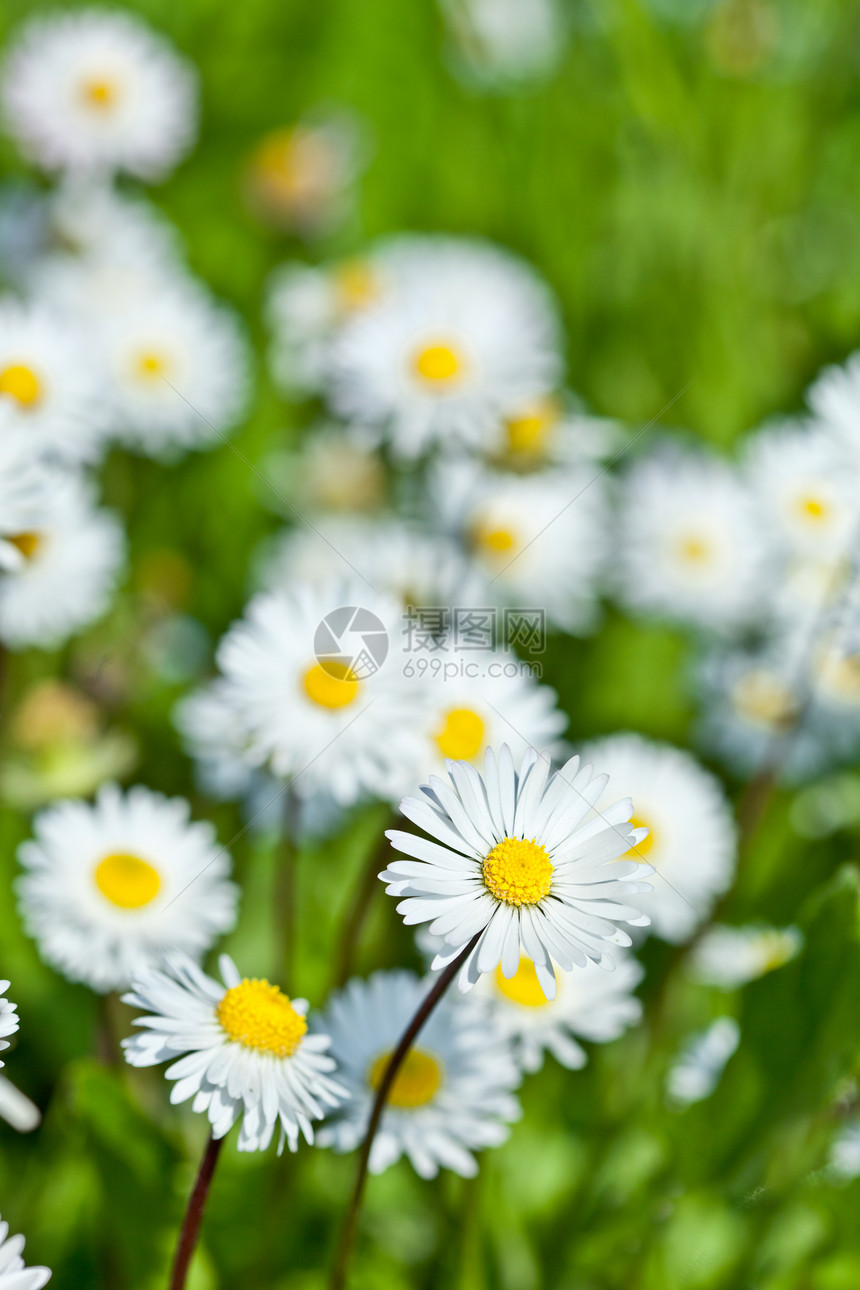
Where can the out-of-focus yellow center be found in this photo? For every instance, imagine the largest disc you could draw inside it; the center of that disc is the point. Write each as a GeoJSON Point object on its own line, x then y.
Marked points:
{"type": "Point", "coordinates": [494, 539]}
{"type": "Point", "coordinates": [462, 734]}
{"type": "Point", "coordinates": [641, 849]}
{"type": "Point", "coordinates": [99, 92]}
{"type": "Point", "coordinates": [694, 549]}
{"type": "Point", "coordinates": [439, 364]}
{"type": "Point", "coordinates": [518, 871]}
{"type": "Point", "coordinates": [528, 434]}
{"type": "Point", "coordinates": [813, 510]}
{"type": "Point", "coordinates": [258, 1015]}
{"type": "Point", "coordinates": [356, 285]}
{"type": "Point", "coordinates": [126, 880]}
{"type": "Point", "coordinates": [523, 987]}
{"type": "Point", "coordinates": [27, 543]}
{"type": "Point", "coordinates": [150, 365]}
{"type": "Point", "coordinates": [415, 1084]}
{"type": "Point", "coordinates": [764, 698]}
{"type": "Point", "coordinates": [21, 384]}
{"type": "Point", "coordinates": [332, 686]}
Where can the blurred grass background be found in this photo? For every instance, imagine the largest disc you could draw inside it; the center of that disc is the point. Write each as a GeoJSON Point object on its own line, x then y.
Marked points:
{"type": "Point", "coordinates": [687, 181]}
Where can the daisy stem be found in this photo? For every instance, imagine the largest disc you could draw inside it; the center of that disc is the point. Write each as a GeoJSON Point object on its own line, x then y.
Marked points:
{"type": "Point", "coordinates": [410, 1034]}
{"type": "Point", "coordinates": [194, 1214]}
{"type": "Point", "coordinates": [358, 909]}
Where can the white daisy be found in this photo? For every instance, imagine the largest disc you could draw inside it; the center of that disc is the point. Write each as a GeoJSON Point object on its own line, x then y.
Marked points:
{"type": "Point", "coordinates": [834, 397]}
{"type": "Point", "coordinates": [729, 957]}
{"type": "Point", "coordinates": [323, 703]}
{"type": "Point", "coordinates": [72, 557]}
{"type": "Point", "coordinates": [96, 222]}
{"type": "Point", "coordinates": [8, 1017]}
{"type": "Point", "coordinates": [551, 430]}
{"type": "Point", "coordinates": [110, 886]}
{"type": "Point", "coordinates": [302, 177]}
{"type": "Point", "coordinates": [13, 1274]}
{"type": "Point", "coordinates": [98, 91]}
{"type": "Point", "coordinates": [49, 382]}
{"type": "Point", "coordinates": [177, 369]}
{"type": "Point", "coordinates": [334, 470]}
{"type": "Point", "coordinates": [520, 861]}
{"type": "Point", "coordinates": [799, 480]}
{"type": "Point", "coordinates": [696, 1072]}
{"type": "Point", "coordinates": [590, 1004]}
{"type": "Point", "coordinates": [692, 545]}
{"type": "Point", "coordinates": [24, 491]}
{"type": "Point", "coordinates": [468, 331]}
{"type": "Point", "coordinates": [238, 1049]}
{"type": "Point", "coordinates": [691, 842]}
{"type": "Point", "coordinates": [538, 540]}
{"type": "Point", "coordinates": [454, 1093]}
{"type": "Point", "coordinates": [498, 42]}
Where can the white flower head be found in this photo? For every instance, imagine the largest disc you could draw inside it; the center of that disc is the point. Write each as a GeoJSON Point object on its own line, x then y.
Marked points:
{"type": "Point", "coordinates": [454, 1093]}
{"type": "Point", "coordinates": [239, 1049]}
{"type": "Point", "coordinates": [503, 42]}
{"type": "Point", "coordinates": [8, 1017]}
{"type": "Point", "coordinates": [71, 555]}
{"type": "Point", "coordinates": [729, 957]}
{"type": "Point", "coordinates": [834, 397]}
{"type": "Point", "coordinates": [109, 887]}
{"type": "Point", "coordinates": [467, 331]}
{"type": "Point", "coordinates": [302, 177]}
{"type": "Point", "coordinates": [14, 1275]}
{"type": "Point", "coordinates": [522, 861]}
{"type": "Point", "coordinates": [692, 544]}
{"type": "Point", "coordinates": [551, 429]}
{"type": "Point", "coordinates": [698, 1068]}
{"type": "Point", "coordinates": [98, 91]}
{"type": "Point", "coordinates": [691, 842]}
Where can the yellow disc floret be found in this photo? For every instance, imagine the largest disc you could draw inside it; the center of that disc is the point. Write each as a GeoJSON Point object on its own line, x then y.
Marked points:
{"type": "Point", "coordinates": [126, 880]}
{"type": "Point", "coordinates": [149, 365]}
{"type": "Point", "coordinates": [518, 871]}
{"type": "Point", "coordinates": [694, 549]}
{"type": "Point", "coordinates": [523, 987]}
{"type": "Point", "coordinates": [27, 543]}
{"type": "Point", "coordinates": [528, 433]}
{"type": "Point", "coordinates": [332, 686]}
{"type": "Point", "coordinates": [439, 364]}
{"type": "Point", "coordinates": [21, 384]}
{"type": "Point", "coordinates": [813, 510]}
{"type": "Point", "coordinates": [100, 93]}
{"type": "Point", "coordinates": [641, 849]}
{"type": "Point", "coordinates": [462, 734]}
{"type": "Point", "coordinates": [258, 1015]}
{"type": "Point", "coordinates": [765, 699]}
{"type": "Point", "coordinates": [415, 1084]}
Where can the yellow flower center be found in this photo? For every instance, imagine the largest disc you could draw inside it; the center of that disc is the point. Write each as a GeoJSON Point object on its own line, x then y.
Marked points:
{"type": "Point", "coordinates": [258, 1015]}
{"type": "Point", "coordinates": [694, 549]}
{"type": "Point", "coordinates": [333, 686]}
{"type": "Point", "coordinates": [462, 735]}
{"type": "Point", "coordinates": [439, 364]}
{"type": "Point", "coordinates": [126, 880]}
{"type": "Point", "coordinates": [529, 433]}
{"type": "Point", "coordinates": [641, 849]}
{"type": "Point", "coordinates": [149, 365]}
{"type": "Point", "coordinates": [21, 384]}
{"type": "Point", "coordinates": [27, 543]}
{"type": "Point", "coordinates": [415, 1084]}
{"type": "Point", "coordinates": [523, 987]}
{"type": "Point", "coordinates": [356, 285]}
{"type": "Point", "coordinates": [813, 509]}
{"type": "Point", "coordinates": [99, 93]}
{"type": "Point", "coordinates": [493, 540]}
{"type": "Point", "coordinates": [518, 871]}
{"type": "Point", "coordinates": [764, 698]}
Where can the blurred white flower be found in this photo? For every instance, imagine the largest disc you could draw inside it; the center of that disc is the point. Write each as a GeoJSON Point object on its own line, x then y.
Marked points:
{"type": "Point", "coordinates": [500, 42]}
{"type": "Point", "coordinates": [97, 90]}
{"type": "Point", "coordinates": [696, 1072]}
{"type": "Point", "coordinates": [551, 430]}
{"type": "Point", "coordinates": [13, 1274]}
{"type": "Point", "coordinates": [335, 469]}
{"type": "Point", "coordinates": [25, 490]}
{"type": "Point", "coordinates": [730, 957]}
{"type": "Point", "coordinates": [834, 397]}
{"type": "Point", "coordinates": [110, 886]}
{"type": "Point", "coordinates": [691, 842]}
{"type": "Point", "coordinates": [844, 1161]}
{"type": "Point", "coordinates": [240, 1049]}
{"type": "Point", "coordinates": [468, 331]}
{"type": "Point", "coordinates": [302, 177]}
{"type": "Point", "coordinates": [93, 221]}
{"type": "Point", "coordinates": [454, 1093]}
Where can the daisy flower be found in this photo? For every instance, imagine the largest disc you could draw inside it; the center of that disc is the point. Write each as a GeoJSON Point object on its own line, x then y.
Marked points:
{"type": "Point", "coordinates": [8, 1017]}
{"type": "Point", "coordinates": [798, 478]}
{"type": "Point", "coordinates": [551, 430]}
{"type": "Point", "coordinates": [302, 177]}
{"type": "Point", "coordinates": [315, 697]}
{"type": "Point", "coordinates": [590, 1004]}
{"type": "Point", "coordinates": [844, 1158]}
{"type": "Point", "coordinates": [691, 842]}
{"type": "Point", "coordinates": [95, 222]}
{"type": "Point", "coordinates": [334, 470]}
{"type": "Point", "coordinates": [696, 1072]}
{"type": "Point", "coordinates": [468, 331]}
{"type": "Point", "coordinates": [71, 558]}
{"type": "Point", "coordinates": [239, 1049]}
{"type": "Point", "coordinates": [521, 860]}
{"type": "Point", "coordinates": [13, 1274]}
{"type": "Point", "coordinates": [730, 957]}
{"type": "Point", "coordinates": [110, 886]}
{"type": "Point", "coordinates": [502, 42]}
{"type": "Point", "coordinates": [454, 1093]}
{"type": "Point", "coordinates": [537, 540]}
{"type": "Point", "coordinates": [98, 91]}
{"type": "Point", "coordinates": [49, 383]}
{"type": "Point", "coordinates": [834, 397]}
{"type": "Point", "coordinates": [692, 545]}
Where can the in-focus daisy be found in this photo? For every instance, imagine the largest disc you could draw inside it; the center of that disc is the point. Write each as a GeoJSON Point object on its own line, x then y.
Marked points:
{"type": "Point", "coordinates": [302, 177]}
{"type": "Point", "coordinates": [691, 840]}
{"type": "Point", "coordinates": [521, 860]}
{"type": "Point", "coordinates": [346, 721]}
{"type": "Point", "coordinates": [697, 1070]}
{"type": "Point", "coordinates": [110, 886]}
{"type": "Point", "coordinates": [97, 90]}
{"type": "Point", "coordinates": [834, 397]}
{"type": "Point", "coordinates": [590, 1004]}
{"type": "Point", "coordinates": [454, 1093]}
{"type": "Point", "coordinates": [539, 540]}
{"type": "Point", "coordinates": [732, 956]}
{"type": "Point", "coordinates": [239, 1049]}
{"type": "Point", "coordinates": [692, 543]}
{"type": "Point", "coordinates": [71, 557]}
{"type": "Point", "coordinates": [8, 1017]}
{"type": "Point", "coordinates": [49, 383]}
{"type": "Point", "coordinates": [13, 1273]}
{"type": "Point", "coordinates": [468, 331]}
